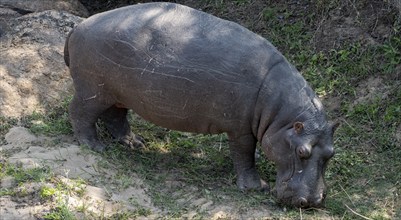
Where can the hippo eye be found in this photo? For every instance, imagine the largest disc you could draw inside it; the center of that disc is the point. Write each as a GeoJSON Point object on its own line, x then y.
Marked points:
{"type": "Point", "coordinates": [303, 152]}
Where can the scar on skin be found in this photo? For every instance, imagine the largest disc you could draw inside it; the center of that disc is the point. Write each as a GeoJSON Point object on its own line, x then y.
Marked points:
{"type": "Point", "coordinates": [143, 70]}
{"type": "Point", "coordinates": [92, 97]}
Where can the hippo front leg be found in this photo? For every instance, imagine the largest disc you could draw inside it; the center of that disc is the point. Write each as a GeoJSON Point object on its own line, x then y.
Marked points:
{"type": "Point", "coordinates": [243, 155]}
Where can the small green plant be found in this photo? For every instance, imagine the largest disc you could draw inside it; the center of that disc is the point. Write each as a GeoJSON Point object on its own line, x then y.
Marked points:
{"type": "Point", "coordinates": [392, 54]}
{"type": "Point", "coordinates": [84, 209]}
{"type": "Point", "coordinates": [60, 212]}
{"type": "Point", "coordinates": [60, 194]}
{"type": "Point", "coordinates": [47, 192]}
{"type": "Point", "coordinates": [6, 124]}
{"type": "Point", "coordinates": [269, 13]}
{"type": "Point", "coordinates": [7, 192]}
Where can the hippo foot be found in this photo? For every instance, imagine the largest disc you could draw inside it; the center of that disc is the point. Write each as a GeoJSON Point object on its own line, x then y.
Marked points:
{"type": "Point", "coordinates": [132, 141]}
{"type": "Point", "coordinates": [259, 185]}
{"type": "Point", "coordinates": [250, 181]}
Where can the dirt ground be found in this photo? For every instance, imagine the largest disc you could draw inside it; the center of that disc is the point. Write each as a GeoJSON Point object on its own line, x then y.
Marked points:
{"type": "Point", "coordinates": [67, 160]}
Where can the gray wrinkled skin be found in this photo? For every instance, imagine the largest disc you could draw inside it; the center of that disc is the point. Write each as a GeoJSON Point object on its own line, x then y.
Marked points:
{"type": "Point", "coordinates": [189, 71]}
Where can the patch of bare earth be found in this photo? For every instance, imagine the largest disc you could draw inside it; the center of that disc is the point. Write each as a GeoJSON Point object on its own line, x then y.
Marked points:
{"type": "Point", "coordinates": [366, 22]}
{"type": "Point", "coordinates": [33, 75]}
{"type": "Point", "coordinates": [67, 162]}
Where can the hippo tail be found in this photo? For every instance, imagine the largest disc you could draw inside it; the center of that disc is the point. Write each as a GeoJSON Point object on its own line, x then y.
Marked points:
{"type": "Point", "coordinates": [66, 53]}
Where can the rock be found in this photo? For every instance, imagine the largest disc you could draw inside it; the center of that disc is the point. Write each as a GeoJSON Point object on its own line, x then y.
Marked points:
{"type": "Point", "coordinates": [33, 75]}
{"type": "Point", "coordinates": [19, 135]}
{"type": "Point", "coordinates": [24, 7]}
{"type": "Point", "coordinates": [8, 13]}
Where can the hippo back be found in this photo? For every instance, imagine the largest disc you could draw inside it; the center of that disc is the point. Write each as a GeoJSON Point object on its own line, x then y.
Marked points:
{"type": "Point", "coordinates": [168, 54]}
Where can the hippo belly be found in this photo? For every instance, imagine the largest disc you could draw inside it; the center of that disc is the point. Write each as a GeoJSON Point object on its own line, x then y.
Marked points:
{"type": "Point", "coordinates": [185, 103]}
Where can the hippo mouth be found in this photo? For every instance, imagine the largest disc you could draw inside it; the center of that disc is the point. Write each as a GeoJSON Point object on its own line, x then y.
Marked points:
{"type": "Point", "coordinates": [290, 174]}
{"type": "Point", "coordinates": [284, 181]}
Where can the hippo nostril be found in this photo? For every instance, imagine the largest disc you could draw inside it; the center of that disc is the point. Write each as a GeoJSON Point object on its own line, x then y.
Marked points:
{"type": "Point", "coordinates": [302, 203]}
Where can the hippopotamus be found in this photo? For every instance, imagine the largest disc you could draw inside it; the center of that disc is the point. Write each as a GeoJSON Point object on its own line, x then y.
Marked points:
{"type": "Point", "coordinates": [186, 70]}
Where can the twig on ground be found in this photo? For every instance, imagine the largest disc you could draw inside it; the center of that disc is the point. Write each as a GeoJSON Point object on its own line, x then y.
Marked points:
{"type": "Point", "coordinates": [300, 213]}
{"type": "Point", "coordinates": [356, 213]}
{"type": "Point", "coordinates": [349, 197]}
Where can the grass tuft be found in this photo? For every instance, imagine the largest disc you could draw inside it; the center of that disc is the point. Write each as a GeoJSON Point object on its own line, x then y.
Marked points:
{"type": "Point", "coordinates": [54, 122]}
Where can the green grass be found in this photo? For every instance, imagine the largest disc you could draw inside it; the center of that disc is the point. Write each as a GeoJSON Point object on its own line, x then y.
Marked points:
{"type": "Point", "coordinates": [58, 194]}
{"type": "Point", "coordinates": [19, 176]}
{"type": "Point", "coordinates": [60, 212]}
{"type": "Point", "coordinates": [52, 189]}
{"type": "Point", "coordinates": [5, 125]}
{"type": "Point", "coordinates": [53, 122]}
{"type": "Point", "coordinates": [22, 175]}
{"type": "Point", "coordinates": [365, 171]}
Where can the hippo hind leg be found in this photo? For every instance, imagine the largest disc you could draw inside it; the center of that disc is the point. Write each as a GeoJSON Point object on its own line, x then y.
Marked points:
{"type": "Point", "coordinates": [83, 116]}
{"type": "Point", "coordinates": [115, 120]}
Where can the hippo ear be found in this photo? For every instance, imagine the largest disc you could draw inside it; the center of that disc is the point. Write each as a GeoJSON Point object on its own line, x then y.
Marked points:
{"type": "Point", "coordinates": [298, 127]}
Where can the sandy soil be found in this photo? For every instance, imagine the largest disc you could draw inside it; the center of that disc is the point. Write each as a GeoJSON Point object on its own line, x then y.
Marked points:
{"type": "Point", "coordinates": [67, 161]}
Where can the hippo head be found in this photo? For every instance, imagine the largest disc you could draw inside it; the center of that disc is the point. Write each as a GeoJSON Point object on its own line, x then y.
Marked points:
{"type": "Point", "coordinates": [301, 152]}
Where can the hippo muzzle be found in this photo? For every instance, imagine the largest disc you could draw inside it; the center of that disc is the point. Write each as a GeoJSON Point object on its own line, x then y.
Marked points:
{"type": "Point", "coordinates": [301, 190]}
